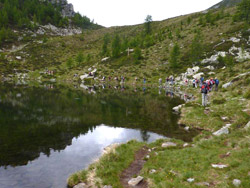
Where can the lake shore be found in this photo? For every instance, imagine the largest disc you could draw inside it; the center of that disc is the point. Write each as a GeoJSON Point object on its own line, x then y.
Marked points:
{"type": "Point", "coordinates": [217, 157]}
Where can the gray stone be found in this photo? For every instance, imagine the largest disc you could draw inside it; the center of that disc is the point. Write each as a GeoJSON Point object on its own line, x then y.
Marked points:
{"type": "Point", "coordinates": [168, 144]}
{"type": "Point", "coordinates": [219, 166]}
{"type": "Point", "coordinates": [135, 181]}
{"type": "Point", "coordinates": [236, 182]}
{"type": "Point", "coordinates": [80, 185]}
{"type": "Point", "coordinates": [223, 130]}
{"type": "Point", "coordinates": [185, 145]}
{"type": "Point", "coordinates": [186, 128]}
{"type": "Point", "coordinates": [18, 57]}
{"type": "Point", "coordinates": [190, 180]}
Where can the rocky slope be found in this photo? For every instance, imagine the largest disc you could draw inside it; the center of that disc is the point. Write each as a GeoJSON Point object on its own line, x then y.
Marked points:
{"type": "Point", "coordinates": [225, 4]}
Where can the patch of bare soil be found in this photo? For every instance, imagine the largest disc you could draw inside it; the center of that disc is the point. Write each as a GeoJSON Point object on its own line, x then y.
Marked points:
{"type": "Point", "coordinates": [134, 169]}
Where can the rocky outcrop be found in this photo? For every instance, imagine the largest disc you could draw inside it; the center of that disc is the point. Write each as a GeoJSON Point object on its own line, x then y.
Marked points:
{"type": "Point", "coordinates": [223, 130]}
{"type": "Point", "coordinates": [67, 8]}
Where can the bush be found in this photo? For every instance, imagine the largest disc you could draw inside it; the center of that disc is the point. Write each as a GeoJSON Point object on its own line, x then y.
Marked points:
{"type": "Point", "coordinates": [247, 94]}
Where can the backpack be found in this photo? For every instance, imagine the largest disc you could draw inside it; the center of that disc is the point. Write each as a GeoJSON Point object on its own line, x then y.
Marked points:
{"type": "Point", "coordinates": [204, 89]}
{"type": "Point", "coordinates": [217, 82]}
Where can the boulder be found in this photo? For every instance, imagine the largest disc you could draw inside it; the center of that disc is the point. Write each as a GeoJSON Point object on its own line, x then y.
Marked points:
{"type": "Point", "coordinates": [236, 182]}
{"type": "Point", "coordinates": [223, 130]}
{"type": "Point", "coordinates": [219, 166]}
{"type": "Point", "coordinates": [135, 181]}
{"type": "Point", "coordinates": [80, 185]}
{"type": "Point", "coordinates": [168, 144]}
{"type": "Point", "coordinates": [198, 76]}
{"type": "Point", "coordinates": [227, 85]}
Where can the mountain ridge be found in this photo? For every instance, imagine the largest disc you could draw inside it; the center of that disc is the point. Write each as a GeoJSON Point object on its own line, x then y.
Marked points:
{"type": "Point", "coordinates": [225, 4]}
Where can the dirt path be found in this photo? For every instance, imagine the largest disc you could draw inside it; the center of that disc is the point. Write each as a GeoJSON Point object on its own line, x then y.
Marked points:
{"type": "Point", "coordinates": [134, 169]}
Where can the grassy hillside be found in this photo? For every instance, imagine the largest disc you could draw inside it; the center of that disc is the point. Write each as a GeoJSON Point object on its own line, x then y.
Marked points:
{"type": "Point", "coordinates": [61, 54]}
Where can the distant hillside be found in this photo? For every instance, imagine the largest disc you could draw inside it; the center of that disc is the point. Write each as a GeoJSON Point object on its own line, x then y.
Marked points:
{"type": "Point", "coordinates": [226, 3]}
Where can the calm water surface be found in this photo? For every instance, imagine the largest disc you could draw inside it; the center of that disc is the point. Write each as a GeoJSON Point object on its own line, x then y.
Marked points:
{"type": "Point", "coordinates": [50, 132]}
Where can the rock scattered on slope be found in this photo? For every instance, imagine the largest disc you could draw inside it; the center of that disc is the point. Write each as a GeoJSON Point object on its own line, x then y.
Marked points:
{"type": "Point", "coordinates": [236, 182]}
{"type": "Point", "coordinates": [223, 130]}
{"type": "Point", "coordinates": [219, 166]}
{"type": "Point", "coordinates": [168, 144]}
{"type": "Point", "coordinates": [135, 181]}
{"type": "Point", "coordinates": [80, 185]}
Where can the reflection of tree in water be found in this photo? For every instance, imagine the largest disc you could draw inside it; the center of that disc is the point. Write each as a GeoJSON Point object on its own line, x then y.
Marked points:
{"type": "Point", "coordinates": [144, 135]}
{"type": "Point", "coordinates": [42, 119]}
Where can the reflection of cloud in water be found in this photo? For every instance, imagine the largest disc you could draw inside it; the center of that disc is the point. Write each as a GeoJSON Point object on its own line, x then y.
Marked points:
{"type": "Point", "coordinates": [54, 170]}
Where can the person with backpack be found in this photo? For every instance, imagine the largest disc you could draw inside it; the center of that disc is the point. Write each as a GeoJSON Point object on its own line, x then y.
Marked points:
{"type": "Point", "coordinates": [204, 90]}
{"type": "Point", "coordinates": [216, 84]}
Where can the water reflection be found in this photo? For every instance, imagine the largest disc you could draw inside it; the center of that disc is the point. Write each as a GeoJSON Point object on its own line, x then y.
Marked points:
{"type": "Point", "coordinates": [44, 128]}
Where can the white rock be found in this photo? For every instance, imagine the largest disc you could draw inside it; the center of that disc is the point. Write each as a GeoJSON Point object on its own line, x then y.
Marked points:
{"type": "Point", "coordinates": [152, 171]}
{"type": "Point", "coordinates": [247, 125]}
{"type": "Point", "coordinates": [227, 85]}
{"type": "Point", "coordinates": [147, 157]}
{"type": "Point", "coordinates": [210, 67]}
{"type": "Point", "coordinates": [135, 181]}
{"type": "Point", "coordinates": [82, 77]}
{"type": "Point", "coordinates": [211, 73]}
{"type": "Point", "coordinates": [18, 57]}
{"type": "Point", "coordinates": [177, 108]}
{"type": "Point", "coordinates": [80, 185]}
{"type": "Point", "coordinates": [223, 68]}
{"type": "Point", "coordinates": [190, 180]}
{"type": "Point", "coordinates": [89, 69]}
{"type": "Point", "coordinates": [224, 118]}
{"type": "Point", "coordinates": [185, 145]}
{"type": "Point", "coordinates": [105, 59]}
{"type": "Point", "coordinates": [236, 182]}
{"type": "Point", "coordinates": [198, 76]}
{"type": "Point", "coordinates": [149, 150]}
{"type": "Point", "coordinates": [223, 130]}
{"type": "Point", "coordinates": [219, 166]}
{"type": "Point", "coordinates": [234, 39]}
{"type": "Point", "coordinates": [168, 144]}
{"type": "Point", "coordinates": [18, 95]}
{"type": "Point", "coordinates": [187, 128]}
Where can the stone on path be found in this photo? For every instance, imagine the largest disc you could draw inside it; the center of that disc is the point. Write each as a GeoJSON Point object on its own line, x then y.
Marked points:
{"type": "Point", "coordinates": [80, 185]}
{"type": "Point", "coordinates": [135, 181]}
{"type": "Point", "coordinates": [223, 130]}
{"type": "Point", "coordinates": [219, 166]}
{"type": "Point", "coordinates": [168, 144]}
{"type": "Point", "coordinates": [236, 182]}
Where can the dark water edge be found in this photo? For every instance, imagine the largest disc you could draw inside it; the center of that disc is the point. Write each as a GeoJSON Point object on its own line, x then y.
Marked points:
{"type": "Point", "coordinates": [50, 131]}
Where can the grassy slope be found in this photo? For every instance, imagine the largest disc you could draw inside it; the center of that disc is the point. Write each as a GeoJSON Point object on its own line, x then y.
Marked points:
{"type": "Point", "coordinates": [55, 53]}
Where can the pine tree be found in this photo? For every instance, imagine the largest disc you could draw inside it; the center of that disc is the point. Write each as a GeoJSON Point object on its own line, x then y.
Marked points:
{"type": "Point", "coordinates": [196, 48]}
{"type": "Point", "coordinates": [147, 24]}
{"type": "Point", "coordinates": [116, 46]}
{"type": "Point", "coordinates": [174, 56]}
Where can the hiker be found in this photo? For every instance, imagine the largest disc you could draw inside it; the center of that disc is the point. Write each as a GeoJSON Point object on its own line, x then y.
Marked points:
{"type": "Point", "coordinates": [194, 83]}
{"type": "Point", "coordinates": [216, 84]}
{"type": "Point", "coordinates": [204, 90]}
{"type": "Point", "coordinates": [201, 81]}
{"type": "Point", "coordinates": [144, 80]}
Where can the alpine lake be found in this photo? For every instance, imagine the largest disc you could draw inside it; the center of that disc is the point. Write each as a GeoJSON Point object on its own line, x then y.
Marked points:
{"type": "Point", "coordinates": [49, 131]}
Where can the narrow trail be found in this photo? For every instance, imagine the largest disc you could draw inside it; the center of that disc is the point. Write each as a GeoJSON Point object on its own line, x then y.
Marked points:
{"type": "Point", "coordinates": [134, 169]}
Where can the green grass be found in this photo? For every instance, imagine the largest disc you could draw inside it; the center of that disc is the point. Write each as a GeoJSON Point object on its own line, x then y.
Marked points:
{"type": "Point", "coordinates": [110, 166]}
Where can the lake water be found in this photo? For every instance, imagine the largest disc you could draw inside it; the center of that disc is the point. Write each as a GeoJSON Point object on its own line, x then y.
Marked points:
{"type": "Point", "coordinates": [48, 132]}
